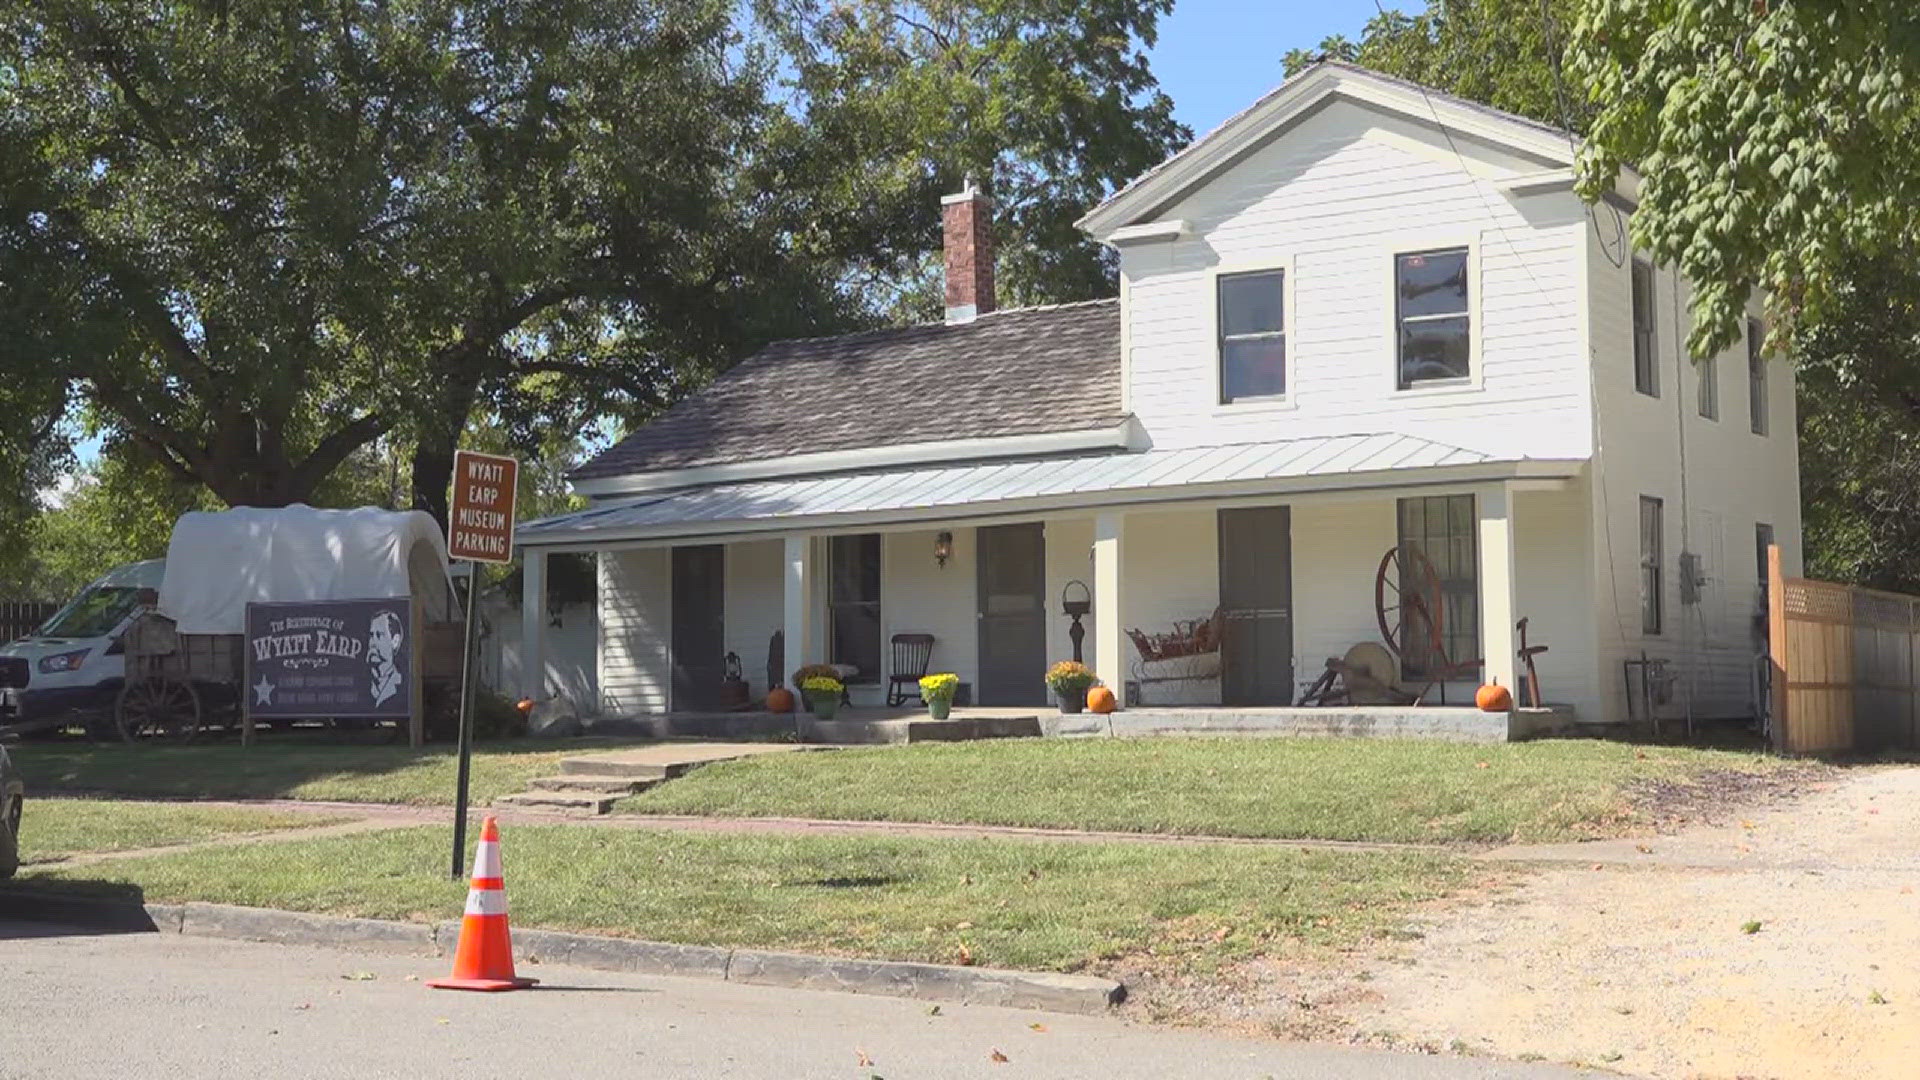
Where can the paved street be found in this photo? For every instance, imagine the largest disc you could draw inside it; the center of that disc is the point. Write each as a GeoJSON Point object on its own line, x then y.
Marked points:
{"type": "Point", "coordinates": [162, 1005]}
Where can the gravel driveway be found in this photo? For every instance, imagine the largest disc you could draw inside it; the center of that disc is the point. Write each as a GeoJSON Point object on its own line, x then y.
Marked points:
{"type": "Point", "coordinates": [1781, 942]}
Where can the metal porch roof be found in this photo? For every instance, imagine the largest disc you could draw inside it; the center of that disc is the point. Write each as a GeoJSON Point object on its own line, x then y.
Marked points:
{"type": "Point", "coordinates": [995, 487]}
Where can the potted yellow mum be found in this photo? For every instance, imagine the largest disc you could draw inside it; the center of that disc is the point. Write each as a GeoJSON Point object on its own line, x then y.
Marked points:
{"type": "Point", "coordinates": [937, 691]}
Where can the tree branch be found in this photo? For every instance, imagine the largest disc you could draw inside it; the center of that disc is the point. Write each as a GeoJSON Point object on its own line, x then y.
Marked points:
{"type": "Point", "coordinates": [332, 450]}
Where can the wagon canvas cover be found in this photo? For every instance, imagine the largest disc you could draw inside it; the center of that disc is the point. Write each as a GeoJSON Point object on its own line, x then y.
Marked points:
{"type": "Point", "coordinates": [219, 562]}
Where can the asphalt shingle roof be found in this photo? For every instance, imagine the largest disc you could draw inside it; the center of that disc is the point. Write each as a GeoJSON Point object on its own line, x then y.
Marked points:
{"type": "Point", "coordinates": [1022, 371]}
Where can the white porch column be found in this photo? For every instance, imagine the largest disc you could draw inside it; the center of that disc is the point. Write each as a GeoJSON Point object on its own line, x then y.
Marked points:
{"type": "Point", "coordinates": [1109, 661]}
{"type": "Point", "coordinates": [797, 622]}
{"type": "Point", "coordinates": [533, 622]}
{"type": "Point", "coordinates": [1498, 592]}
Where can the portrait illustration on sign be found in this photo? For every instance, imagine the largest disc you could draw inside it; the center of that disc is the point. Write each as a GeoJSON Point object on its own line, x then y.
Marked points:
{"type": "Point", "coordinates": [385, 636]}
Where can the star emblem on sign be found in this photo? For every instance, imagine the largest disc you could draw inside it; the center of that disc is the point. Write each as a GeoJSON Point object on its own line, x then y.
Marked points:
{"type": "Point", "coordinates": [263, 692]}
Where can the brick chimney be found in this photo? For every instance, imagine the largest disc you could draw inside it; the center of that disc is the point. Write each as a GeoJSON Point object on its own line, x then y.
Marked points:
{"type": "Point", "coordinates": [967, 230]}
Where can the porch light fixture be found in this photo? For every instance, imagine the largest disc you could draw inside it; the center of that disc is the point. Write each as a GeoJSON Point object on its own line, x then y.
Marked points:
{"type": "Point", "coordinates": [942, 547]}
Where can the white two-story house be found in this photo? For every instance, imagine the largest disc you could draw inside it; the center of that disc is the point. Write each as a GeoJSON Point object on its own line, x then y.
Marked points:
{"type": "Point", "coordinates": [1375, 377]}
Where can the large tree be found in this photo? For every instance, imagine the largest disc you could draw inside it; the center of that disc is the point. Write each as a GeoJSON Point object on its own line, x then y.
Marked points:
{"type": "Point", "coordinates": [1048, 106]}
{"type": "Point", "coordinates": [256, 235]}
{"type": "Point", "coordinates": [1503, 53]}
{"type": "Point", "coordinates": [1775, 140]}
{"type": "Point", "coordinates": [1859, 380]}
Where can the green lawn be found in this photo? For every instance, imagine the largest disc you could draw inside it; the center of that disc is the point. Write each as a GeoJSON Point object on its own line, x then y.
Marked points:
{"type": "Point", "coordinates": [289, 768]}
{"type": "Point", "coordinates": [51, 828]}
{"type": "Point", "coordinates": [1336, 789]}
{"type": "Point", "coordinates": [1024, 904]}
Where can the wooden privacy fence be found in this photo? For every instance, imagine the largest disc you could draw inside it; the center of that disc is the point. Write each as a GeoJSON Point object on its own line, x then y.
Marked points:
{"type": "Point", "coordinates": [1845, 666]}
{"type": "Point", "coordinates": [19, 618]}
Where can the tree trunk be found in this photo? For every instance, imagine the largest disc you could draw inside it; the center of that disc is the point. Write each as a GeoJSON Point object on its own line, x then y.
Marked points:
{"type": "Point", "coordinates": [433, 450]}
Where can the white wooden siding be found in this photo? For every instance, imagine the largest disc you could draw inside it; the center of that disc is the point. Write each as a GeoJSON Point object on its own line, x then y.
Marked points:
{"type": "Point", "coordinates": [755, 606]}
{"type": "Point", "coordinates": [635, 631]}
{"type": "Point", "coordinates": [1554, 559]}
{"type": "Point", "coordinates": [919, 596]}
{"type": "Point", "coordinates": [1069, 558]}
{"type": "Point", "coordinates": [1332, 201]}
{"type": "Point", "coordinates": [1336, 553]}
{"type": "Point", "coordinates": [1733, 480]}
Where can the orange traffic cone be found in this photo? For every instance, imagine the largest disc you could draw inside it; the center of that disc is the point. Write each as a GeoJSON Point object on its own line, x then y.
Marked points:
{"type": "Point", "coordinates": [484, 960]}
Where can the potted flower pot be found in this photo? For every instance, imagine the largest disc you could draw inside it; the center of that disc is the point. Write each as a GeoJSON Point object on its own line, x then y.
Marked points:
{"type": "Point", "coordinates": [1072, 702]}
{"type": "Point", "coordinates": [824, 706]}
{"type": "Point", "coordinates": [939, 708]}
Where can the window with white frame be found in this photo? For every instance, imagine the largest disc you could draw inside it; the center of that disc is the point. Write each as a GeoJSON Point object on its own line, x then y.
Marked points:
{"type": "Point", "coordinates": [1433, 316]}
{"type": "Point", "coordinates": [1253, 335]}
{"type": "Point", "coordinates": [1646, 361]}
{"type": "Point", "coordinates": [1709, 392]}
{"type": "Point", "coordinates": [1652, 529]}
{"type": "Point", "coordinates": [1756, 379]}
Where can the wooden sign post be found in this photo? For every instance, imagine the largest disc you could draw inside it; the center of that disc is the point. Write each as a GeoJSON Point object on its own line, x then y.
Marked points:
{"type": "Point", "coordinates": [479, 530]}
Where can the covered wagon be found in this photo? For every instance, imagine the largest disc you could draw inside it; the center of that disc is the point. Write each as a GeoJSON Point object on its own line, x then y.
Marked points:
{"type": "Point", "coordinates": [186, 657]}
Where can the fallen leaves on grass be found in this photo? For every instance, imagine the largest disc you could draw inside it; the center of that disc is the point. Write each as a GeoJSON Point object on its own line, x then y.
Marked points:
{"type": "Point", "coordinates": [1038, 1027]}
{"type": "Point", "coordinates": [997, 1058]}
{"type": "Point", "coordinates": [1876, 998]}
{"type": "Point", "coordinates": [1751, 926]}
{"type": "Point", "coordinates": [358, 976]}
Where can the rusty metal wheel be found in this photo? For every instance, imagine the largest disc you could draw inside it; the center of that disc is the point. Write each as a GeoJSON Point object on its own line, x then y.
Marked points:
{"type": "Point", "coordinates": [158, 707]}
{"type": "Point", "coordinates": [1408, 605]}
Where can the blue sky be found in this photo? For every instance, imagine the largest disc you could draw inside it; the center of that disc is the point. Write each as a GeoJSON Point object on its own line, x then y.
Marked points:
{"type": "Point", "coordinates": [1214, 57]}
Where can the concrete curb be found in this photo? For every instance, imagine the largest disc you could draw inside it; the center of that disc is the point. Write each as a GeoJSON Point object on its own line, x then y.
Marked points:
{"type": "Point", "coordinates": [924, 982]}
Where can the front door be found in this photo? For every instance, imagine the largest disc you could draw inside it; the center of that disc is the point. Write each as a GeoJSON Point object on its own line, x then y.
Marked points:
{"type": "Point", "coordinates": [1013, 614]}
{"type": "Point", "coordinates": [699, 628]}
{"type": "Point", "coordinates": [1256, 604]}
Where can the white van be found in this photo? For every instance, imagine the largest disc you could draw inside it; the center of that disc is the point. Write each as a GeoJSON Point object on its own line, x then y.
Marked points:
{"type": "Point", "coordinates": [74, 659]}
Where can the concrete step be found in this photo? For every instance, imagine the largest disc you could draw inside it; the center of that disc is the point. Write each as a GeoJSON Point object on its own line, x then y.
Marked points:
{"type": "Point", "coordinates": [604, 785]}
{"type": "Point", "coordinates": [560, 800]}
{"type": "Point", "coordinates": [631, 770]}
{"type": "Point", "coordinates": [952, 729]}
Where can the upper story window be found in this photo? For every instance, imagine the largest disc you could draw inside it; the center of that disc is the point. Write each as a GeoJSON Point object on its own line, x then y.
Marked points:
{"type": "Point", "coordinates": [1756, 379]}
{"type": "Point", "coordinates": [1646, 364]}
{"type": "Point", "coordinates": [1709, 395]}
{"type": "Point", "coordinates": [1432, 316]}
{"type": "Point", "coordinates": [1253, 335]}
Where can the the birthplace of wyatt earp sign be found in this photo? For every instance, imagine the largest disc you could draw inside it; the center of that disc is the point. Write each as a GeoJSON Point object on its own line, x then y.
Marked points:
{"type": "Point", "coordinates": [330, 658]}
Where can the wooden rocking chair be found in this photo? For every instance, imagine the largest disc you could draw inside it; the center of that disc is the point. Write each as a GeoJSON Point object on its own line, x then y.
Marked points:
{"type": "Point", "coordinates": [912, 655]}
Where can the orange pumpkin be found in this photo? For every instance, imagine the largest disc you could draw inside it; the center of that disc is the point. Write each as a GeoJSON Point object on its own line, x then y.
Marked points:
{"type": "Point", "coordinates": [780, 700]}
{"type": "Point", "coordinates": [1493, 698]}
{"type": "Point", "coordinates": [1101, 700]}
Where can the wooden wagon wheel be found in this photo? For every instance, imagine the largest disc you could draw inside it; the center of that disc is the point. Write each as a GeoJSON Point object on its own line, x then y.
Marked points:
{"type": "Point", "coordinates": [1407, 604]}
{"type": "Point", "coordinates": [158, 706]}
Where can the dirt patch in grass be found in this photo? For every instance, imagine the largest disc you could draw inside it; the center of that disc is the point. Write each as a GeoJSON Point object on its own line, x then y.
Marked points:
{"type": "Point", "coordinates": [1713, 796]}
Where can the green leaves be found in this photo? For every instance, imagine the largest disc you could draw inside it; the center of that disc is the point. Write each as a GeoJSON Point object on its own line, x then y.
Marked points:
{"type": "Point", "coordinates": [1772, 141]}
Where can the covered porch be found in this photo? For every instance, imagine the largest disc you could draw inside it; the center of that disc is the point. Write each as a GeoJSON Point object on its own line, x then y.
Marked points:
{"type": "Point", "coordinates": [1218, 579]}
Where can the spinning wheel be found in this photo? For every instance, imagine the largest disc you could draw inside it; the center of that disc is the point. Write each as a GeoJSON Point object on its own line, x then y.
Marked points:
{"type": "Point", "coordinates": [1407, 603]}
{"type": "Point", "coordinates": [1411, 610]}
